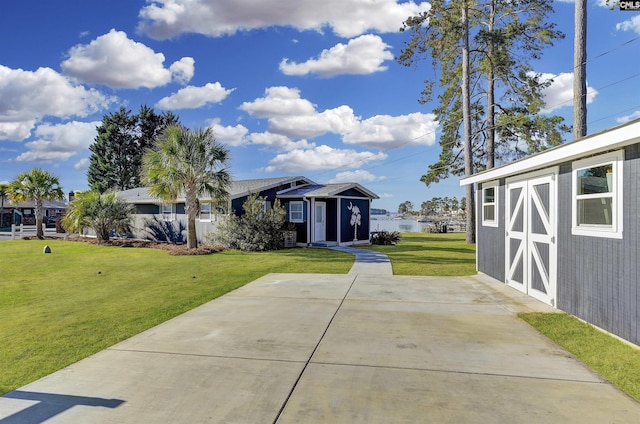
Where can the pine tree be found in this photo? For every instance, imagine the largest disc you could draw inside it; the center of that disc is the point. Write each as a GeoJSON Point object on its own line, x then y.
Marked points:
{"type": "Point", "coordinates": [490, 97]}
{"type": "Point", "coordinates": [507, 94]}
{"type": "Point", "coordinates": [117, 151]}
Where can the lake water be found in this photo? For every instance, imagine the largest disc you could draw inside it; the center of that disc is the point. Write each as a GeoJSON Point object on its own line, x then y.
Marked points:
{"type": "Point", "coordinates": [402, 225]}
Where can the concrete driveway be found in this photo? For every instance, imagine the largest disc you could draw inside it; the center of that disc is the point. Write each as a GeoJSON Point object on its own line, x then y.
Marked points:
{"type": "Point", "coordinates": [357, 348]}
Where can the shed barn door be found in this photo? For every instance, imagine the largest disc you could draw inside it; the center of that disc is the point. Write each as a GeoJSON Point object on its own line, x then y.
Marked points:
{"type": "Point", "coordinates": [516, 235]}
{"type": "Point", "coordinates": [531, 237]}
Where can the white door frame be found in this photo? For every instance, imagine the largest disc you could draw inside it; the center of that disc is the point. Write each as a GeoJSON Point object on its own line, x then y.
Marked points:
{"type": "Point", "coordinates": [528, 254]}
{"type": "Point", "coordinates": [320, 221]}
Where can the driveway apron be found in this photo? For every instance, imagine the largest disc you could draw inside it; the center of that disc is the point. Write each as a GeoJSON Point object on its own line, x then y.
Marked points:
{"type": "Point", "coordinates": [315, 348]}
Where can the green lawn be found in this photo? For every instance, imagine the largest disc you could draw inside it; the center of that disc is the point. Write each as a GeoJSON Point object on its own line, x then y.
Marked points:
{"type": "Point", "coordinates": [614, 360]}
{"type": "Point", "coordinates": [61, 307]}
{"type": "Point", "coordinates": [431, 254]}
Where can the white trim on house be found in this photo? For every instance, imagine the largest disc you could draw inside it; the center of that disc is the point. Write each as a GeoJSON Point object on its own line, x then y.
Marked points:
{"type": "Point", "coordinates": [299, 214]}
{"type": "Point", "coordinates": [493, 221]}
{"type": "Point", "coordinates": [614, 229]}
{"type": "Point", "coordinates": [168, 211]}
{"type": "Point", "coordinates": [527, 252]}
{"type": "Point", "coordinates": [610, 139]}
{"type": "Point", "coordinates": [206, 209]}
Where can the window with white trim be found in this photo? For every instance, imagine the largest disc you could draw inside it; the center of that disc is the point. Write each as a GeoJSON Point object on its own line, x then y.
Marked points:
{"type": "Point", "coordinates": [490, 204]}
{"type": "Point", "coordinates": [167, 211]}
{"type": "Point", "coordinates": [296, 212]}
{"type": "Point", "coordinates": [597, 196]}
{"type": "Point", "coordinates": [205, 211]}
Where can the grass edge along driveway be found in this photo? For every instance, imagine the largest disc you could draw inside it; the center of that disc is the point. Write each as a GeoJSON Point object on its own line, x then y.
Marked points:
{"type": "Point", "coordinates": [58, 308]}
{"type": "Point", "coordinates": [613, 359]}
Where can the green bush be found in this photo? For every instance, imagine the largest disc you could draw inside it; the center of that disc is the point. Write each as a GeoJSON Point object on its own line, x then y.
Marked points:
{"type": "Point", "coordinates": [165, 231]}
{"type": "Point", "coordinates": [256, 230]}
{"type": "Point", "coordinates": [385, 238]}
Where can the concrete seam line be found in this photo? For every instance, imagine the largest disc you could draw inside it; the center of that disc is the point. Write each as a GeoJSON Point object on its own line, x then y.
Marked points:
{"type": "Point", "coordinates": [304, 368]}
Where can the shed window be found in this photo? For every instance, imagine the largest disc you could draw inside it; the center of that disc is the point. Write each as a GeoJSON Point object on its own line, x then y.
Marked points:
{"type": "Point", "coordinates": [490, 204]}
{"type": "Point", "coordinates": [597, 196]}
{"type": "Point", "coordinates": [296, 212]}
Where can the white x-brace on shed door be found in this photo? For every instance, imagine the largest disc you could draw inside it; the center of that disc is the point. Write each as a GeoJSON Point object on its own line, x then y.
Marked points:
{"type": "Point", "coordinates": [531, 218]}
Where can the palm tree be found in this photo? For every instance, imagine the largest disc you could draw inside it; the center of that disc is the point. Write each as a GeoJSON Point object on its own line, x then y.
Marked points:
{"type": "Point", "coordinates": [102, 212]}
{"type": "Point", "coordinates": [37, 185]}
{"type": "Point", "coordinates": [3, 195]}
{"type": "Point", "coordinates": [187, 162]}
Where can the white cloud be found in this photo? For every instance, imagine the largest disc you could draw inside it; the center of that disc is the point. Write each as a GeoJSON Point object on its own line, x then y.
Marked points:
{"type": "Point", "coordinates": [26, 97]}
{"type": "Point", "coordinates": [82, 164]}
{"type": "Point", "coordinates": [320, 158]}
{"type": "Point", "coordinates": [560, 92]}
{"type": "Point", "coordinates": [16, 131]}
{"type": "Point", "coordinates": [59, 142]}
{"type": "Point", "coordinates": [358, 176]}
{"type": "Point", "coordinates": [191, 97]}
{"type": "Point", "coordinates": [292, 116]}
{"type": "Point", "coordinates": [182, 70]}
{"type": "Point", "coordinates": [231, 136]}
{"type": "Point", "coordinates": [627, 118]}
{"type": "Point", "coordinates": [279, 101]}
{"type": "Point", "coordinates": [116, 61]}
{"type": "Point", "coordinates": [163, 19]}
{"type": "Point", "coordinates": [632, 24]}
{"type": "Point", "coordinates": [339, 120]}
{"type": "Point", "coordinates": [362, 55]}
{"type": "Point", "coordinates": [392, 132]}
{"type": "Point", "coordinates": [279, 141]}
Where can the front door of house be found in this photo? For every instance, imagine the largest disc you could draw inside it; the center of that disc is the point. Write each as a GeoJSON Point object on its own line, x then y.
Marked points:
{"type": "Point", "coordinates": [320, 221]}
{"type": "Point", "coordinates": [531, 236]}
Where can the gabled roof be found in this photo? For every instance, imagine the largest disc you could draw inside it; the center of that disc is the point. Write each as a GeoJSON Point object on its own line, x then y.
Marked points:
{"type": "Point", "coordinates": [245, 187]}
{"type": "Point", "coordinates": [47, 204]}
{"type": "Point", "coordinates": [325, 190]}
{"type": "Point", "coordinates": [237, 189]}
{"type": "Point", "coordinates": [304, 188]}
{"type": "Point", "coordinates": [614, 138]}
{"type": "Point", "coordinates": [137, 195]}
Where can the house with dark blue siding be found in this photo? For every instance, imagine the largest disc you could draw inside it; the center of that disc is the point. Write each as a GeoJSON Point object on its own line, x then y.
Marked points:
{"type": "Point", "coordinates": [563, 226]}
{"type": "Point", "coordinates": [323, 214]}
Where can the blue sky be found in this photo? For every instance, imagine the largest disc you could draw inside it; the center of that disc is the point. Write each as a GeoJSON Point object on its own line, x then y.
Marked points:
{"type": "Point", "coordinates": [291, 87]}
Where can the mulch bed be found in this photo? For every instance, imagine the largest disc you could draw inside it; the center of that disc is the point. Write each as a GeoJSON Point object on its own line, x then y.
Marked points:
{"type": "Point", "coordinates": [172, 249]}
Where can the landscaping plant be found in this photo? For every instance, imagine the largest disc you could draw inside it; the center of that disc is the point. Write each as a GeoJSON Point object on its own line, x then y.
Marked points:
{"type": "Point", "coordinates": [258, 229]}
{"type": "Point", "coordinates": [386, 238]}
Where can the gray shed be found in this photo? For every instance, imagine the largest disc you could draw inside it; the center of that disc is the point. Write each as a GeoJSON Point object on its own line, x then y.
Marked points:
{"type": "Point", "coordinates": [563, 227]}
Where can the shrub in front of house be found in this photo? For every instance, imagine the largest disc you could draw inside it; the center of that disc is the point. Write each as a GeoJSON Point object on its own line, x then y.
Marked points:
{"type": "Point", "coordinates": [385, 238]}
{"type": "Point", "coordinates": [160, 230]}
{"type": "Point", "coordinates": [258, 229]}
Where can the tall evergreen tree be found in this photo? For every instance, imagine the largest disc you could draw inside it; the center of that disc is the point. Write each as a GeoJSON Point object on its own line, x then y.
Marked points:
{"type": "Point", "coordinates": [506, 93]}
{"type": "Point", "coordinates": [117, 151]}
{"type": "Point", "coordinates": [493, 113]}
